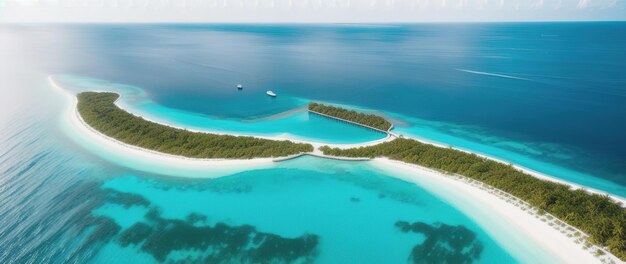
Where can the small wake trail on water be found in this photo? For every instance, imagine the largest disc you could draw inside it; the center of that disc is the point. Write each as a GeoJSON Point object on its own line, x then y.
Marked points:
{"type": "Point", "coordinates": [494, 74]}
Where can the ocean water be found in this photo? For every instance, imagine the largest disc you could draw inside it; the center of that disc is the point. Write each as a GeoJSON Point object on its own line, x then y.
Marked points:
{"type": "Point", "coordinates": [64, 202]}
{"type": "Point", "coordinates": [296, 123]}
{"type": "Point", "coordinates": [549, 97]}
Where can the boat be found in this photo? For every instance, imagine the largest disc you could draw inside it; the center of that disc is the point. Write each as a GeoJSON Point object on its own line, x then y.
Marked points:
{"type": "Point", "coordinates": [270, 93]}
{"type": "Point", "coordinates": [239, 86]}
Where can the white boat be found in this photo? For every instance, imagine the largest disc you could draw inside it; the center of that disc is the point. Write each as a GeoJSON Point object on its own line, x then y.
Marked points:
{"type": "Point", "coordinates": [270, 93]}
{"type": "Point", "coordinates": [239, 86]}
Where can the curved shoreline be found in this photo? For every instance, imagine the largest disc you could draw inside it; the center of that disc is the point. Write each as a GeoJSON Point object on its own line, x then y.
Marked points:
{"type": "Point", "coordinates": [318, 153]}
{"type": "Point", "coordinates": [78, 123]}
{"type": "Point", "coordinates": [562, 246]}
{"type": "Point", "coordinates": [481, 201]}
{"type": "Point", "coordinates": [533, 173]}
{"type": "Point", "coordinates": [317, 144]}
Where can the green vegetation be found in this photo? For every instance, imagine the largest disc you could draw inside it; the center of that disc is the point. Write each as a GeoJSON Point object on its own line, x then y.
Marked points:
{"type": "Point", "coordinates": [597, 215]}
{"type": "Point", "coordinates": [601, 218]}
{"type": "Point", "coordinates": [100, 112]}
{"type": "Point", "coordinates": [351, 115]}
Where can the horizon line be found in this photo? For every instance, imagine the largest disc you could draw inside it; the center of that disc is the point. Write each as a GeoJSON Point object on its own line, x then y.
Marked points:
{"type": "Point", "coordinates": [307, 23]}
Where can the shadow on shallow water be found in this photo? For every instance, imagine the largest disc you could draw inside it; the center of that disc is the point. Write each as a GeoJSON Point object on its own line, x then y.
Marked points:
{"type": "Point", "coordinates": [159, 237]}
{"type": "Point", "coordinates": [443, 243]}
{"type": "Point", "coordinates": [197, 239]}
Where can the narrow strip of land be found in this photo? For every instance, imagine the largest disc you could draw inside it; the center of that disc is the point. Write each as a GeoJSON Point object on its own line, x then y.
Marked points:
{"type": "Point", "coordinates": [366, 120]}
{"type": "Point", "coordinates": [100, 112]}
{"type": "Point", "coordinates": [602, 218]}
{"type": "Point", "coordinates": [598, 216]}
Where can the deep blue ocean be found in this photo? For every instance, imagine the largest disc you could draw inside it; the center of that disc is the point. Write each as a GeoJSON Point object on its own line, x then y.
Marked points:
{"type": "Point", "coordinates": [550, 97]}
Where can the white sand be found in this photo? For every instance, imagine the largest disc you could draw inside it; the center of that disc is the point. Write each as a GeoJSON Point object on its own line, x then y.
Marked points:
{"type": "Point", "coordinates": [114, 145]}
{"type": "Point", "coordinates": [490, 210]}
{"type": "Point", "coordinates": [534, 173]}
{"type": "Point", "coordinates": [284, 136]}
{"type": "Point", "coordinates": [475, 202]}
{"type": "Point", "coordinates": [316, 145]}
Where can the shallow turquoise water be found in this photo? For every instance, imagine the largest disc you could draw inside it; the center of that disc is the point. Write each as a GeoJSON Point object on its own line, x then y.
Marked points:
{"type": "Point", "coordinates": [510, 90]}
{"type": "Point", "coordinates": [66, 199]}
{"type": "Point", "coordinates": [523, 154]}
{"type": "Point", "coordinates": [302, 125]}
{"type": "Point", "coordinates": [350, 207]}
{"type": "Point", "coordinates": [63, 201]}
{"type": "Point", "coordinates": [297, 124]}
{"type": "Point", "coordinates": [310, 208]}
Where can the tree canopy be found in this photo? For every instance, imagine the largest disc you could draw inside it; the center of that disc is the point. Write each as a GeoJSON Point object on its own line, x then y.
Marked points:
{"type": "Point", "coordinates": [603, 219]}
{"type": "Point", "coordinates": [99, 111]}
{"type": "Point", "coordinates": [351, 115]}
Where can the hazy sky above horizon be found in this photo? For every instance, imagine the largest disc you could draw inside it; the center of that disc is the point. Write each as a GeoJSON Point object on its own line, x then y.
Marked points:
{"type": "Point", "coordinates": [306, 11]}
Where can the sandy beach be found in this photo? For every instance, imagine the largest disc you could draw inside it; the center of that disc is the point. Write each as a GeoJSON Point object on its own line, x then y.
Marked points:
{"type": "Point", "coordinates": [390, 136]}
{"type": "Point", "coordinates": [79, 125]}
{"type": "Point", "coordinates": [489, 210]}
{"type": "Point", "coordinates": [476, 202]}
{"type": "Point", "coordinates": [533, 173]}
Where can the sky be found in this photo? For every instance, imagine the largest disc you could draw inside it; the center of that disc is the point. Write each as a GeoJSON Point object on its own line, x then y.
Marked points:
{"type": "Point", "coordinates": [308, 11]}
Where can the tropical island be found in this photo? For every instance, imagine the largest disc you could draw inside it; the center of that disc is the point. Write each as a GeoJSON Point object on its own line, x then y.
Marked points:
{"type": "Point", "coordinates": [368, 120]}
{"type": "Point", "coordinates": [99, 111]}
{"type": "Point", "coordinates": [600, 217]}
{"type": "Point", "coordinates": [603, 219]}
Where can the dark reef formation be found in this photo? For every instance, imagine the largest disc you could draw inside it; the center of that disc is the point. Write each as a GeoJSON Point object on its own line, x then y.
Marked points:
{"type": "Point", "coordinates": [443, 244]}
{"type": "Point", "coordinates": [597, 215]}
{"type": "Point", "coordinates": [219, 243]}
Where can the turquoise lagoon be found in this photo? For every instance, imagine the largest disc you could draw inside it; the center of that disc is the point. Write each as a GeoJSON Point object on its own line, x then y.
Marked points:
{"type": "Point", "coordinates": [507, 90]}
{"type": "Point", "coordinates": [294, 124]}
{"type": "Point", "coordinates": [298, 124]}
{"type": "Point", "coordinates": [349, 212]}
{"type": "Point", "coordinates": [67, 199]}
{"type": "Point", "coordinates": [350, 207]}
{"type": "Point", "coordinates": [99, 209]}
